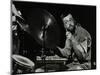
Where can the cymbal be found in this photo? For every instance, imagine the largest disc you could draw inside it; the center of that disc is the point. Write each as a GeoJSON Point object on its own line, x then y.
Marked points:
{"type": "Point", "coordinates": [41, 21]}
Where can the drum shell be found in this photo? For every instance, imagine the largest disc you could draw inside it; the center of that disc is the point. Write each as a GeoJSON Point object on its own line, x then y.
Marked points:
{"type": "Point", "coordinates": [21, 67]}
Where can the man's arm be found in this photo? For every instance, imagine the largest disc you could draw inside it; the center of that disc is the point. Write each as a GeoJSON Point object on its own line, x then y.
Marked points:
{"type": "Point", "coordinates": [80, 49]}
{"type": "Point", "coordinates": [66, 51]}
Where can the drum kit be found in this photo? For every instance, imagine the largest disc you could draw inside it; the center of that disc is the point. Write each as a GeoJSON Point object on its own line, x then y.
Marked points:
{"type": "Point", "coordinates": [22, 64]}
{"type": "Point", "coordinates": [45, 30]}
{"type": "Point", "coordinates": [43, 27]}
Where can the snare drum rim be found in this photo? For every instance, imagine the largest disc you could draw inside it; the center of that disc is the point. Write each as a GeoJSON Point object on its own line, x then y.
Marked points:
{"type": "Point", "coordinates": [15, 57]}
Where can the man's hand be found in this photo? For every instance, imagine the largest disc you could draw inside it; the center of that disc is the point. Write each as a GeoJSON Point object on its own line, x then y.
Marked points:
{"type": "Point", "coordinates": [66, 52]}
{"type": "Point", "coordinates": [62, 51]}
{"type": "Point", "coordinates": [68, 35]}
{"type": "Point", "coordinates": [60, 48]}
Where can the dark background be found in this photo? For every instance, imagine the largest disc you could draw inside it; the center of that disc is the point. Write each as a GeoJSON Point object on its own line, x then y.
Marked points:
{"type": "Point", "coordinates": [85, 15]}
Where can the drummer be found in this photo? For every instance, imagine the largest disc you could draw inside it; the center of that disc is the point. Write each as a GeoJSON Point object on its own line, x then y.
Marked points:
{"type": "Point", "coordinates": [78, 43]}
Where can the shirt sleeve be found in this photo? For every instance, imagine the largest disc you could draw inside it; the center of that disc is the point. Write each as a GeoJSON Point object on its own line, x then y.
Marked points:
{"type": "Point", "coordinates": [84, 39]}
{"type": "Point", "coordinates": [67, 48]}
{"type": "Point", "coordinates": [86, 49]}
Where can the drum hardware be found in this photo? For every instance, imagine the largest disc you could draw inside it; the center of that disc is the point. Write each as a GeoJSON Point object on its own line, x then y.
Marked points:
{"type": "Point", "coordinates": [22, 64]}
{"type": "Point", "coordinates": [48, 26]}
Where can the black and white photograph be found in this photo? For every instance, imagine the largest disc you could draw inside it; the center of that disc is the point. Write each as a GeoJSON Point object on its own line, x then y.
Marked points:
{"type": "Point", "coordinates": [52, 37]}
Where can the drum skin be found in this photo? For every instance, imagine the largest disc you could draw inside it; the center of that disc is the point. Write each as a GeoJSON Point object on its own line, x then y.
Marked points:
{"type": "Point", "coordinates": [22, 64]}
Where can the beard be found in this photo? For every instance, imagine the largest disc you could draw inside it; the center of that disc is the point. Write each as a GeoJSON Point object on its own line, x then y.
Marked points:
{"type": "Point", "coordinates": [71, 29]}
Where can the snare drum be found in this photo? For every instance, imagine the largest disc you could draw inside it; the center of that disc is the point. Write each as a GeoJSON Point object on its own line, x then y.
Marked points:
{"type": "Point", "coordinates": [22, 64]}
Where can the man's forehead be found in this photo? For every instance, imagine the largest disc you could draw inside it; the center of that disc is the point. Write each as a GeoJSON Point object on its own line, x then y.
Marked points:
{"type": "Point", "coordinates": [68, 17]}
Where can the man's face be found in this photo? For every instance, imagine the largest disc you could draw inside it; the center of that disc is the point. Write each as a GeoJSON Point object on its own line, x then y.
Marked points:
{"type": "Point", "coordinates": [68, 22]}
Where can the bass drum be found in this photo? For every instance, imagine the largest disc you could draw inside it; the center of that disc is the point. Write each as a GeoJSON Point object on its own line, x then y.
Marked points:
{"type": "Point", "coordinates": [22, 65]}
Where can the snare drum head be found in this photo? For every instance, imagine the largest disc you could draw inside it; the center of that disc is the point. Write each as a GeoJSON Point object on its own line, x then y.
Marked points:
{"type": "Point", "coordinates": [23, 60]}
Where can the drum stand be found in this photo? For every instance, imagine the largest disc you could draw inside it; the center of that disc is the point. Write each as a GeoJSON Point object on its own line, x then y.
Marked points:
{"type": "Point", "coordinates": [43, 56]}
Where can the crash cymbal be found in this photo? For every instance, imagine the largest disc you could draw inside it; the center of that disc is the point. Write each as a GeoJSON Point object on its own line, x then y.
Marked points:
{"type": "Point", "coordinates": [41, 21]}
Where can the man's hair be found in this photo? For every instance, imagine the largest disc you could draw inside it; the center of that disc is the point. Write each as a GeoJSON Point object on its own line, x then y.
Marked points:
{"type": "Point", "coordinates": [66, 14]}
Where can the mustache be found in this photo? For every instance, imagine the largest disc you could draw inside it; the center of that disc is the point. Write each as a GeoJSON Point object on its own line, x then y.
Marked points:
{"type": "Point", "coordinates": [70, 25]}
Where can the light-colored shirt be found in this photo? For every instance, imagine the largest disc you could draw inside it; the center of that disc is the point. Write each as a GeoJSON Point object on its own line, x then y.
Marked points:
{"type": "Point", "coordinates": [82, 49]}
